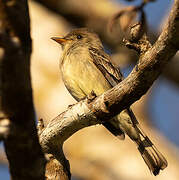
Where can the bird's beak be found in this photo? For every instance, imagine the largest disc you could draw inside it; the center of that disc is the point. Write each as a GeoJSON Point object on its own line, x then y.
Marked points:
{"type": "Point", "coordinates": [59, 40]}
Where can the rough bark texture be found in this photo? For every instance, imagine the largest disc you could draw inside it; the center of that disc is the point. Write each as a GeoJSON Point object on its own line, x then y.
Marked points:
{"type": "Point", "coordinates": [26, 160]}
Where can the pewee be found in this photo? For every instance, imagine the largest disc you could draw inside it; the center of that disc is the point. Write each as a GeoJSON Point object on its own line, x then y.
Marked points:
{"type": "Point", "coordinates": [85, 67]}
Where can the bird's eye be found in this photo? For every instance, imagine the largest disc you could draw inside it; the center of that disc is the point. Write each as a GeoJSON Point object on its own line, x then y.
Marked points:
{"type": "Point", "coordinates": [79, 36]}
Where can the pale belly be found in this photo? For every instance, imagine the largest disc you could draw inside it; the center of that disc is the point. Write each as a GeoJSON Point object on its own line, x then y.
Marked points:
{"type": "Point", "coordinates": [82, 77]}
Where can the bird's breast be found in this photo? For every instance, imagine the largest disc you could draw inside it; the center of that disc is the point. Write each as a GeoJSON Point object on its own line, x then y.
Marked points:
{"type": "Point", "coordinates": [81, 76]}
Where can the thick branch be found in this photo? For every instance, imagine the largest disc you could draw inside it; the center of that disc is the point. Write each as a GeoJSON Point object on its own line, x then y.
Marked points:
{"type": "Point", "coordinates": [17, 127]}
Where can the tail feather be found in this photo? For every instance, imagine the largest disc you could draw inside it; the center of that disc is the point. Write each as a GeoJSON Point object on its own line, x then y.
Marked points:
{"type": "Point", "coordinates": [152, 157]}
{"type": "Point", "coordinates": [127, 123]}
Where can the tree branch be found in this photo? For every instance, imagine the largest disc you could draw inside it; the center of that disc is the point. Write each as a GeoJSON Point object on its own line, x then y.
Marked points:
{"type": "Point", "coordinates": [17, 127]}
{"type": "Point", "coordinates": [112, 102]}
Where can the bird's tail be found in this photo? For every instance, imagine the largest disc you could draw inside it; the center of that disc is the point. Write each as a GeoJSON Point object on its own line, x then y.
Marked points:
{"type": "Point", "coordinates": [152, 157]}
{"type": "Point", "coordinates": [128, 124]}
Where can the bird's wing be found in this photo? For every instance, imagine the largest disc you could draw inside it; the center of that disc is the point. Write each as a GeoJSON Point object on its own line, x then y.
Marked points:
{"type": "Point", "coordinates": [103, 63]}
{"type": "Point", "coordinates": [113, 76]}
{"type": "Point", "coordinates": [111, 73]}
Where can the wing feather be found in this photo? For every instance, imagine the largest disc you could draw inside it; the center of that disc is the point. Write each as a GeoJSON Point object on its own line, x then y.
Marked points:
{"type": "Point", "coordinates": [103, 63]}
{"type": "Point", "coordinates": [113, 76]}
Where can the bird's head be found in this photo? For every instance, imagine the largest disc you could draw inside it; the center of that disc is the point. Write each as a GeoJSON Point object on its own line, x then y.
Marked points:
{"type": "Point", "coordinates": [78, 38]}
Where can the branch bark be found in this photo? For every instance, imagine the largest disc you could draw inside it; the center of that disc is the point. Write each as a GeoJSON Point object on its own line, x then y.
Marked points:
{"type": "Point", "coordinates": [17, 121]}
{"type": "Point", "coordinates": [151, 63]}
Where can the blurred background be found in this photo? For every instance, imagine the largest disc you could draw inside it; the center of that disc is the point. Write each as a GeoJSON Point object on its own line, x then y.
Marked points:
{"type": "Point", "coordinates": [94, 154]}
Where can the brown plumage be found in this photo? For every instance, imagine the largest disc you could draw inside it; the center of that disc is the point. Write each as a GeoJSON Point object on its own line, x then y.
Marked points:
{"type": "Point", "coordinates": [85, 68]}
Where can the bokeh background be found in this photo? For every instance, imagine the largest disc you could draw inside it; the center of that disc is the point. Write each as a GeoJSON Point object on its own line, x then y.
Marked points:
{"type": "Point", "coordinates": [93, 152]}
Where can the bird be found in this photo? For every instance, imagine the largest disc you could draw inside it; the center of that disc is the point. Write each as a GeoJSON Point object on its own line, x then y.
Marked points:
{"type": "Point", "coordinates": [85, 68]}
